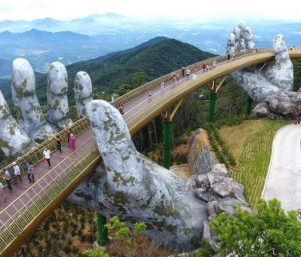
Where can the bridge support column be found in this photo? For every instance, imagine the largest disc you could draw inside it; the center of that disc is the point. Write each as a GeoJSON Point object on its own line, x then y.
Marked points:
{"type": "Point", "coordinates": [249, 104]}
{"type": "Point", "coordinates": [102, 230]}
{"type": "Point", "coordinates": [213, 97]}
{"type": "Point", "coordinates": [168, 117]}
{"type": "Point", "coordinates": [167, 144]}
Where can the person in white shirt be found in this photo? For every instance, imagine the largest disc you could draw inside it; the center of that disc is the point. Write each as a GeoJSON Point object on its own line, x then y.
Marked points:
{"type": "Point", "coordinates": [46, 154]}
{"type": "Point", "coordinates": [162, 87]}
{"type": "Point", "coordinates": [2, 192]}
{"type": "Point", "coordinates": [17, 173]}
{"type": "Point", "coordinates": [187, 72]}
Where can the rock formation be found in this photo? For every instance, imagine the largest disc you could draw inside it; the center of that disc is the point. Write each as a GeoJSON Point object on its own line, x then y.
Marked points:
{"type": "Point", "coordinates": [13, 139]}
{"type": "Point", "coordinates": [137, 189]}
{"type": "Point", "coordinates": [82, 91]}
{"type": "Point", "coordinates": [57, 99]}
{"type": "Point", "coordinates": [17, 137]}
{"type": "Point", "coordinates": [282, 105]}
{"type": "Point", "coordinates": [240, 39]}
{"type": "Point", "coordinates": [200, 158]}
{"type": "Point", "coordinates": [273, 77]}
{"type": "Point", "coordinates": [29, 114]}
{"type": "Point", "coordinates": [212, 184]}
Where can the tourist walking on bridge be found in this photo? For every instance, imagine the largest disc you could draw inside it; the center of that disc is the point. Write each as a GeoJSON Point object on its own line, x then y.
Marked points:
{"type": "Point", "coordinates": [187, 72]}
{"type": "Point", "coordinates": [72, 140]}
{"type": "Point", "coordinates": [162, 87]}
{"type": "Point", "coordinates": [30, 175]}
{"type": "Point", "coordinates": [7, 178]}
{"type": "Point", "coordinates": [17, 173]}
{"type": "Point", "coordinates": [58, 143]}
{"type": "Point", "coordinates": [183, 72]}
{"type": "Point", "coordinates": [68, 136]}
{"type": "Point", "coordinates": [46, 154]}
{"type": "Point", "coordinates": [2, 192]}
{"type": "Point", "coordinates": [149, 96]}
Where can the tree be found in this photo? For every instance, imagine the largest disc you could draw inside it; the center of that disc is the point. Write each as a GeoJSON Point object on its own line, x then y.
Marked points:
{"type": "Point", "coordinates": [125, 241]}
{"type": "Point", "coordinates": [123, 89]}
{"type": "Point", "coordinates": [268, 232]}
{"type": "Point", "coordinates": [94, 253]}
{"type": "Point", "coordinates": [138, 78]}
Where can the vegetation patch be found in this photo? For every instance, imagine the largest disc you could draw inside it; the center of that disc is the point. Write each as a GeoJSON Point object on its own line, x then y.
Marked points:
{"type": "Point", "coordinates": [251, 145]}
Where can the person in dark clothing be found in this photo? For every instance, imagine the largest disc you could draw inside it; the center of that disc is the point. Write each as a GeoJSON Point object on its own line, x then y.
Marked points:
{"type": "Point", "coordinates": [30, 175]}
{"type": "Point", "coordinates": [58, 144]}
{"type": "Point", "coordinates": [7, 178]}
{"type": "Point", "coordinates": [68, 136]}
{"type": "Point", "coordinates": [183, 72]}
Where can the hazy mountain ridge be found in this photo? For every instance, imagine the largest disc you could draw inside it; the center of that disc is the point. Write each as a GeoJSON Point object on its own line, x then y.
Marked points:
{"type": "Point", "coordinates": [155, 58]}
{"type": "Point", "coordinates": [47, 40]}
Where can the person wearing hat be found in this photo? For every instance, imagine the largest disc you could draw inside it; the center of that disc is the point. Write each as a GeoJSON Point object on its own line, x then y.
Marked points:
{"type": "Point", "coordinates": [46, 154]}
{"type": "Point", "coordinates": [17, 173]}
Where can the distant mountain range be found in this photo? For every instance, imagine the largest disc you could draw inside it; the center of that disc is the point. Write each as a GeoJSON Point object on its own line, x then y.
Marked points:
{"type": "Point", "coordinates": [44, 41]}
{"type": "Point", "coordinates": [156, 57]}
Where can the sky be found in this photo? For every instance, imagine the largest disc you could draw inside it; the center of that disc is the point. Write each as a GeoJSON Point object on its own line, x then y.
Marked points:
{"type": "Point", "coordinates": [67, 10]}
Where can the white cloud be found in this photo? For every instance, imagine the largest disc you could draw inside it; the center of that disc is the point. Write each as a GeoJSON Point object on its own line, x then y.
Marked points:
{"type": "Point", "coordinates": [214, 9]}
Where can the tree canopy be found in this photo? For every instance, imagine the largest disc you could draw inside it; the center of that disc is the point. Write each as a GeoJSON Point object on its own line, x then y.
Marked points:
{"type": "Point", "coordinates": [268, 232]}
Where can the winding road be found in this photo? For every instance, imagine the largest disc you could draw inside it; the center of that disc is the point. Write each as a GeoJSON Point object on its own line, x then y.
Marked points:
{"type": "Point", "coordinates": [283, 180]}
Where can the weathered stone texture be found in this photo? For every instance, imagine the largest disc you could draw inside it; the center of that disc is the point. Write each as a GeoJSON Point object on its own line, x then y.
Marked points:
{"type": "Point", "coordinates": [83, 92]}
{"type": "Point", "coordinates": [29, 113]}
{"type": "Point", "coordinates": [57, 99]}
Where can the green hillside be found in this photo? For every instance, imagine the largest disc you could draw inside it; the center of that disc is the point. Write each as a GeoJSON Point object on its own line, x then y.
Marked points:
{"type": "Point", "coordinates": [155, 58]}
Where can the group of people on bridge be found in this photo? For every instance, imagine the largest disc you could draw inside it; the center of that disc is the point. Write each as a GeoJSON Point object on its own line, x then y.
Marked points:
{"type": "Point", "coordinates": [175, 77]}
{"type": "Point", "coordinates": [16, 175]}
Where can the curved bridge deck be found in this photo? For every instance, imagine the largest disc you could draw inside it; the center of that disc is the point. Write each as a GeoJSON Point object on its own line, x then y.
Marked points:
{"type": "Point", "coordinates": [29, 204]}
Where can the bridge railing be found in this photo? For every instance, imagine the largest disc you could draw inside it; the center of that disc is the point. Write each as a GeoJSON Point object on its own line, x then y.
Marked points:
{"type": "Point", "coordinates": [135, 115]}
{"type": "Point", "coordinates": [36, 155]}
{"type": "Point", "coordinates": [155, 84]}
{"type": "Point", "coordinates": [56, 180]}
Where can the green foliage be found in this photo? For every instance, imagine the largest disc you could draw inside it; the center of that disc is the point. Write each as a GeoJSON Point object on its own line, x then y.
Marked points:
{"type": "Point", "coordinates": [133, 67]}
{"type": "Point", "coordinates": [268, 232]}
{"type": "Point", "coordinates": [123, 232]}
{"type": "Point", "coordinates": [205, 249]}
{"type": "Point", "coordinates": [138, 79]}
{"type": "Point", "coordinates": [123, 89]}
{"type": "Point", "coordinates": [218, 145]}
{"type": "Point", "coordinates": [297, 74]}
{"type": "Point", "coordinates": [94, 253]}
{"type": "Point", "coordinates": [123, 236]}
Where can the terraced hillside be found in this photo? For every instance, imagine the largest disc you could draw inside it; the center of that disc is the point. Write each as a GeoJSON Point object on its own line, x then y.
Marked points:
{"type": "Point", "coordinates": [251, 143]}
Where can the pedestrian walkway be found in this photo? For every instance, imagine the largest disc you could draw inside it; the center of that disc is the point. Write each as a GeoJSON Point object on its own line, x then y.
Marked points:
{"type": "Point", "coordinates": [283, 180]}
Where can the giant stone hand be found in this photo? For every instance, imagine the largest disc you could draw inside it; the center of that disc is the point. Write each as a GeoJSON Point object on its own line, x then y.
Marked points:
{"type": "Point", "coordinates": [13, 139]}
{"type": "Point", "coordinates": [29, 114]}
{"type": "Point", "coordinates": [57, 99]}
{"type": "Point", "coordinates": [274, 77]}
{"type": "Point", "coordinates": [82, 92]}
{"type": "Point", "coordinates": [19, 136]}
{"type": "Point", "coordinates": [137, 189]}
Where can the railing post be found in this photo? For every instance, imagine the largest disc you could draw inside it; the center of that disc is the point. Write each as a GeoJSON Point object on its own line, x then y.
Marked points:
{"type": "Point", "coordinates": [213, 97]}
{"type": "Point", "coordinates": [249, 104]}
{"type": "Point", "coordinates": [102, 230]}
{"type": "Point", "coordinates": [167, 143]}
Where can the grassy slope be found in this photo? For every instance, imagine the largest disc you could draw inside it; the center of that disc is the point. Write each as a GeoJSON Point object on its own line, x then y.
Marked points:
{"type": "Point", "coordinates": [251, 145]}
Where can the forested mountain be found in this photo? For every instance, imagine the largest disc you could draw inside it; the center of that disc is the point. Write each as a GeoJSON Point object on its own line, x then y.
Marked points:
{"type": "Point", "coordinates": [155, 58]}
